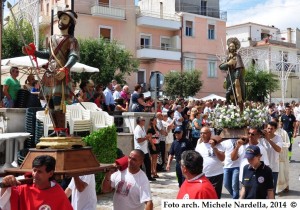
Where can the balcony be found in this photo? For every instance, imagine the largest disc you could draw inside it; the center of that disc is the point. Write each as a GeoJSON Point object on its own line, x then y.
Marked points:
{"type": "Point", "coordinates": [158, 20]}
{"type": "Point", "coordinates": [205, 11]}
{"type": "Point", "coordinates": [44, 20]}
{"type": "Point", "coordinates": [104, 10]}
{"type": "Point", "coordinates": [151, 52]}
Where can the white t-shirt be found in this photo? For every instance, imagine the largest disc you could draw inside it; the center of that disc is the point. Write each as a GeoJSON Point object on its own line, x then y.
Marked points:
{"type": "Point", "coordinates": [131, 190]}
{"type": "Point", "coordinates": [229, 146]}
{"type": "Point", "coordinates": [177, 116]}
{"type": "Point", "coordinates": [212, 166]}
{"type": "Point", "coordinates": [169, 137]}
{"type": "Point", "coordinates": [272, 154]}
{"type": "Point", "coordinates": [140, 132]}
{"type": "Point", "coordinates": [87, 199]}
{"type": "Point", "coordinates": [244, 161]}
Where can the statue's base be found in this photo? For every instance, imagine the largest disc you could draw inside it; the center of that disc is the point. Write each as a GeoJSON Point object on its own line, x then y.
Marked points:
{"type": "Point", "coordinates": [60, 143]}
{"type": "Point", "coordinates": [234, 133]}
{"type": "Point", "coordinates": [69, 162]}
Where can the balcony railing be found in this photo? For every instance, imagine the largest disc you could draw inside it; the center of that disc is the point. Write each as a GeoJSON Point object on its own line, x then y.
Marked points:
{"type": "Point", "coordinates": [108, 11]}
{"type": "Point", "coordinates": [165, 16]}
{"type": "Point", "coordinates": [158, 48]}
{"type": "Point", "coordinates": [205, 11]}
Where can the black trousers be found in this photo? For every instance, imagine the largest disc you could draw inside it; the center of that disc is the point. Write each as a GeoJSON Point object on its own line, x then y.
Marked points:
{"type": "Point", "coordinates": [217, 182]}
{"type": "Point", "coordinates": [147, 164]}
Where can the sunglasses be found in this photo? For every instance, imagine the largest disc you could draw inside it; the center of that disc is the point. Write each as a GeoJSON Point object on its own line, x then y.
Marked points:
{"type": "Point", "coordinates": [251, 134]}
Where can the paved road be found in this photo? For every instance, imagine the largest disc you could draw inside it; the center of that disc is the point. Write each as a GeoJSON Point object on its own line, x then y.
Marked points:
{"type": "Point", "coordinates": [166, 186]}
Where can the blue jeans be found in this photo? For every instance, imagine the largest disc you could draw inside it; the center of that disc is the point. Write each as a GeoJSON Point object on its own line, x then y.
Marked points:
{"type": "Point", "coordinates": [231, 181]}
{"type": "Point", "coordinates": [275, 178]}
{"type": "Point", "coordinates": [8, 103]}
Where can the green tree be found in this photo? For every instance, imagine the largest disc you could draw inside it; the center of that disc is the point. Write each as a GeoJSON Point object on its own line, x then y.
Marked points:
{"type": "Point", "coordinates": [182, 84]}
{"type": "Point", "coordinates": [11, 40]}
{"type": "Point", "coordinates": [259, 84]}
{"type": "Point", "coordinates": [113, 61]}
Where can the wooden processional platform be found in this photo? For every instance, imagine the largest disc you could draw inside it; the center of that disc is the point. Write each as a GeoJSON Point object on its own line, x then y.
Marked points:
{"type": "Point", "coordinates": [72, 157]}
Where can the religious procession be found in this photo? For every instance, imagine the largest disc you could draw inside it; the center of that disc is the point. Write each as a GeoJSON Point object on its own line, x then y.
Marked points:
{"type": "Point", "coordinates": [135, 124]}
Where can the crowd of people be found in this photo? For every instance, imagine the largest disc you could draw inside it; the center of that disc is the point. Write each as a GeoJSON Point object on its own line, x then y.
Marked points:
{"type": "Point", "coordinates": [254, 166]}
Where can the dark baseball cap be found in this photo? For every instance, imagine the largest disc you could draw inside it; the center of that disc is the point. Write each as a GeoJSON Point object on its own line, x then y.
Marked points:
{"type": "Point", "coordinates": [252, 151]}
{"type": "Point", "coordinates": [178, 129]}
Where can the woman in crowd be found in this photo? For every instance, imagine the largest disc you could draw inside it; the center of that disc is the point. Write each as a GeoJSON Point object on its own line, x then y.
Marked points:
{"type": "Point", "coordinates": [29, 82]}
{"type": "Point", "coordinates": [137, 100]}
{"type": "Point", "coordinates": [88, 95]}
{"type": "Point", "coordinates": [153, 146]}
{"type": "Point", "coordinates": [196, 127]}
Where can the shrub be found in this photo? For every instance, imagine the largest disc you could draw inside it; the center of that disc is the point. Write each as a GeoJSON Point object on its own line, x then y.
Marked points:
{"type": "Point", "coordinates": [104, 146]}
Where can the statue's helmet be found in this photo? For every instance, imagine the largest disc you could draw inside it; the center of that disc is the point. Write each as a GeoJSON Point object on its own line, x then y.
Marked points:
{"type": "Point", "coordinates": [235, 41]}
{"type": "Point", "coordinates": [70, 13]}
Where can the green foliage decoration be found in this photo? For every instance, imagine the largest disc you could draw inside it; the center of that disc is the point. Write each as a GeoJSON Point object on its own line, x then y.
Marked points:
{"type": "Point", "coordinates": [182, 84]}
{"type": "Point", "coordinates": [260, 84]}
{"type": "Point", "coordinates": [104, 146]}
{"type": "Point", "coordinates": [113, 61]}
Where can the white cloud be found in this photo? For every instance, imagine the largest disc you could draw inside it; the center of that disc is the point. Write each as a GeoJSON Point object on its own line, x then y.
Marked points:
{"type": "Point", "coordinates": [280, 13]}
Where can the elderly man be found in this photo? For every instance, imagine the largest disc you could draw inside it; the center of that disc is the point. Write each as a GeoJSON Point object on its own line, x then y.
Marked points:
{"type": "Point", "coordinates": [196, 185]}
{"type": "Point", "coordinates": [109, 99]}
{"type": "Point", "coordinates": [63, 53]}
{"type": "Point", "coordinates": [132, 189]}
{"type": "Point", "coordinates": [213, 155]}
{"type": "Point", "coordinates": [257, 180]}
{"type": "Point", "coordinates": [179, 145]}
{"type": "Point", "coordinates": [38, 195]}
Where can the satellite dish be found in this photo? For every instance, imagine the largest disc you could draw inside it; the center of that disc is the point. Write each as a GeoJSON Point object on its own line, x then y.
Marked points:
{"type": "Point", "coordinates": [157, 80]}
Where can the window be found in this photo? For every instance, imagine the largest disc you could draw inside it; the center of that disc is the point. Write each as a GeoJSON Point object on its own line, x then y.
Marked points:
{"type": "Point", "coordinates": [188, 28]}
{"type": "Point", "coordinates": [211, 31]}
{"type": "Point", "coordinates": [189, 64]}
{"type": "Point", "coordinates": [165, 43]}
{"type": "Point", "coordinates": [104, 3]}
{"type": "Point", "coordinates": [212, 70]}
{"type": "Point", "coordinates": [105, 33]}
{"type": "Point", "coordinates": [203, 7]}
{"type": "Point", "coordinates": [145, 41]}
{"type": "Point", "coordinates": [141, 79]}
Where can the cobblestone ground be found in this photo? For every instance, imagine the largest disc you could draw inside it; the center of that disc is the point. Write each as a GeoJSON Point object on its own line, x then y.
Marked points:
{"type": "Point", "coordinates": [166, 186]}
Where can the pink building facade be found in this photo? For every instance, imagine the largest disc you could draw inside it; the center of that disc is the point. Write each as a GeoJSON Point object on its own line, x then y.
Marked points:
{"type": "Point", "coordinates": [161, 38]}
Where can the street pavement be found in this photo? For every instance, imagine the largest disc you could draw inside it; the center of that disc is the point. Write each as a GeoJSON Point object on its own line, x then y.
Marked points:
{"type": "Point", "coordinates": [166, 187]}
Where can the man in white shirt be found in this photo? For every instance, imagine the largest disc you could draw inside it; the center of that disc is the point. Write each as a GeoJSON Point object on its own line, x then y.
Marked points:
{"type": "Point", "coordinates": [117, 92]}
{"type": "Point", "coordinates": [273, 144]}
{"type": "Point", "coordinates": [240, 149]}
{"type": "Point", "coordinates": [83, 191]}
{"type": "Point", "coordinates": [177, 116]}
{"type": "Point", "coordinates": [141, 142]}
{"type": "Point", "coordinates": [132, 189]}
{"type": "Point", "coordinates": [213, 156]}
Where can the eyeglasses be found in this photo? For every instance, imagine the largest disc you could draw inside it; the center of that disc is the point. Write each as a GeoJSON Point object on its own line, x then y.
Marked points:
{"type": "Point", "coordinates": [251, 134]}
{"type": "Point", "coordinates": [204, 132]}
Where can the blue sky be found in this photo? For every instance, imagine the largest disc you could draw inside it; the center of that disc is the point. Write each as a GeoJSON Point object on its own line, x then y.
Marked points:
{"type": "Point", "coordinates": [280, 13]}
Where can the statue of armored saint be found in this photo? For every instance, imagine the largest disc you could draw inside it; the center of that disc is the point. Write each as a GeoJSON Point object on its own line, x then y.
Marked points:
{"type": "Point", "coordinates": [62, 54]}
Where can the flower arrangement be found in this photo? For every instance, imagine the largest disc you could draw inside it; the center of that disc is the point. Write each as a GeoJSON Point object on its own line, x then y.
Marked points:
{"type": "Point", "coordinates": [230, 117]}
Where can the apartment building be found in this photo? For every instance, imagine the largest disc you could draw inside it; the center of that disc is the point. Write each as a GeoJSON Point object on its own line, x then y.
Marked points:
{"type": "Point", "coordinates": [165, 36]}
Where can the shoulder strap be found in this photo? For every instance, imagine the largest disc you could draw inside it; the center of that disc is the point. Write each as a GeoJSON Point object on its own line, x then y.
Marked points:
{"type": "Point", "coordinates": [57, 49]}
